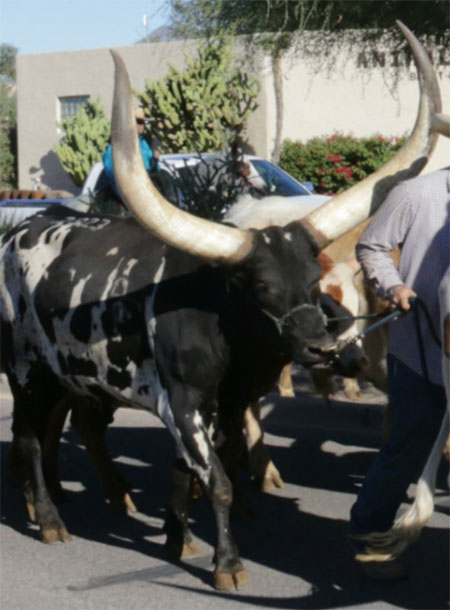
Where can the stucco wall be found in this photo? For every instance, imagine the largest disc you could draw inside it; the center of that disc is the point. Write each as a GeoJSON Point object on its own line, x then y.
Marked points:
{"type": "Point", "coordinates": [353, 96]}
{"type": "Point", "coordinates": [345, 98]}
{"type": "Point", "coordinates": [43, 79]}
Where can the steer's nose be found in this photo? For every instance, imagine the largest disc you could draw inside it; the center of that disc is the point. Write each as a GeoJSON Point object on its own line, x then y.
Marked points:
{"type": "Point", "coordinates": [324, 344]}
{"type": "Point", "coordinates": [316, 351]}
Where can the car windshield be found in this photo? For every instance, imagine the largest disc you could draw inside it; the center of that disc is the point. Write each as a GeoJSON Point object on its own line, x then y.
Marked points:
{"type": "Point", "coordinates": [278, 183]}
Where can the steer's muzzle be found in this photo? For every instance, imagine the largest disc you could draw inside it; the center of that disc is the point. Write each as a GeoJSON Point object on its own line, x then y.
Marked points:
{"type": "Point", "coordinates": [304, 328]}
{"type": "Point", "coordinates": [349, 360]}
{"type": "Point", "coordinates": [317, 351]}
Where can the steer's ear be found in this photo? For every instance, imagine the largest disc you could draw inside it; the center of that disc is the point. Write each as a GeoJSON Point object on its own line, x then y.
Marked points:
{"type": "Point", "coordinates": [326, 263]}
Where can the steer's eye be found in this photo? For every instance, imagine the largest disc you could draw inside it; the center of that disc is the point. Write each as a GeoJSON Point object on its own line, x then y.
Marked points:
{"type": "Point", "coordinates": [262, 288]}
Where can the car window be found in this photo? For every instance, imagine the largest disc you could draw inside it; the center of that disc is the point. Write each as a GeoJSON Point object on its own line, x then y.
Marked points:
{"type": "Point", "coordinates": [278, 183]}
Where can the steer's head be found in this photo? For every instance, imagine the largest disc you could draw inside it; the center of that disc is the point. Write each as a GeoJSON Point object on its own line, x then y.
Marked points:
{"type": "Point", "coordinates": [278, 284]}
{"type": "Point", "coordinates": [341, 303]}
{"type": "Point", "coordinates": [276, 266]}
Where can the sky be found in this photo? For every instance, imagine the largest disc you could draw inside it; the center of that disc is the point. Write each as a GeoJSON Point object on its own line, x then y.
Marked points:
{"type": "Point", "coordinates": [48, 26]}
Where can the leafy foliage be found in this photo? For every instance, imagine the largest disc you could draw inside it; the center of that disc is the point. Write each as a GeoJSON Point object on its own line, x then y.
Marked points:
{"type": "Point", "coordinates": [337, 162]}
{"type": "Point", "coordinates": [86, 136]}
{"type": "Point", "coordinates": [427, 18]}
{"type": "Point", "coordinates": [7, 160]}
{"type": "Point", "coordinates": [8, 61]}
{"type": "Point", "coordinates": [276, 26]}
{"type": "Point", "coordinates": [8, 117]}
{"type": "Point", "coordinates": [205, 106]}
{"type": "Point", "coordinates": [208, 184]}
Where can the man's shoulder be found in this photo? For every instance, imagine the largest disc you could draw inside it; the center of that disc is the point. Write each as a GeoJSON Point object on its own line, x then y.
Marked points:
{"type": "Point", "coordinates": [437, 177]}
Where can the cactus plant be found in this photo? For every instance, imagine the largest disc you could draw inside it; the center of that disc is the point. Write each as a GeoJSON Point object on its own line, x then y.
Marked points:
{"type": "Point", "coordinates": [86, 136]}
{"type": "Point", "coordinates": [204, 107]}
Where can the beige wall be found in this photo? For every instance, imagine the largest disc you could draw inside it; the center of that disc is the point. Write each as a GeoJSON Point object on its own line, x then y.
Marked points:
{"type": "Point", "coordinates": [43, 79]}
{"type": "Point", "coordinates": [345, 98]}
{"type": "Point", "coordinates": [349, 98]}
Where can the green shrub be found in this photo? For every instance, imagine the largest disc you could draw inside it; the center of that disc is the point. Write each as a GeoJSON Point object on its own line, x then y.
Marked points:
{"type": "Point", "coordinates": [86, 136]}
{"type": "Point", "coordinates": [337, 162]}
{"type": "Point", "coordinates": [7, 162]}
{"type": "Point", "coordinates": [205, 106]}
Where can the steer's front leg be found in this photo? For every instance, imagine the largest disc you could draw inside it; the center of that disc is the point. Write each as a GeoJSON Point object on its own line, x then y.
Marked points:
{"type": "Point", "coordinates": [179, 542]}
{"type": "Point", "coordinates": [196, 448]}
{"type": "Point", "coordinates": [229, 572]}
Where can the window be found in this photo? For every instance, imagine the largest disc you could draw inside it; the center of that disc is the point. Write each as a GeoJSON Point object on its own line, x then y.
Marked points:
{"type": "Point", "coordinates": [69, 106]}
{"type": "Point", "coordinates": [277, 181]}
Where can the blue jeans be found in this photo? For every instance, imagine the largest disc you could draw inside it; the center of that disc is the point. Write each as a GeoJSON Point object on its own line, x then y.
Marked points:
{"type": "Point", "coordinates": [417, 408]}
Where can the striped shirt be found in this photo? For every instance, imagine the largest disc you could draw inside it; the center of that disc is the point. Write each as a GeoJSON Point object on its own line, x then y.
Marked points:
{"type": "Point", "coordinates": [414, 217]}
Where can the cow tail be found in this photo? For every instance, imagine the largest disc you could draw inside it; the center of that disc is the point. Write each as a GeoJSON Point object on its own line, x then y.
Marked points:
{"type": "Point", "coordinates": [409, 525]}
{"type": "Point", "coordinates": [384, 546]}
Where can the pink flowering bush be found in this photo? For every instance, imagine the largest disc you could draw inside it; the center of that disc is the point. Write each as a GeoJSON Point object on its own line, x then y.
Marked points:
{"type": "Point", "coordinates": [337, 162]}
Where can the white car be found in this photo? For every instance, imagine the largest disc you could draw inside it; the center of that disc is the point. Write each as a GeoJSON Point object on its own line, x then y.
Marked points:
{"type": "Point", "coordinates": [262, 175]}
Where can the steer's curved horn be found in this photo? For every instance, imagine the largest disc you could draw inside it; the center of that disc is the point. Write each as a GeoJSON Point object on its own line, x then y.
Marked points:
{"type": "Point", "coordinates": [197, 236]}
{"type": "Point", "coordinates": [358, 203]}
{"type": "Point", "coordinates": [441, 124]}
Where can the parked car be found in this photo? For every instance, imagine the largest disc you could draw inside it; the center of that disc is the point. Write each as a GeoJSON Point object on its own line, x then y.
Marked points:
{"type": "Point", "coordinates": [262, 174]}
{"type": "Point", "coordinates": [14, 210]}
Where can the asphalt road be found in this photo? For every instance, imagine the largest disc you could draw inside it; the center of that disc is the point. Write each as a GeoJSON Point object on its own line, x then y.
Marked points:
{"type": "Point", "coordinates": [295, 549]}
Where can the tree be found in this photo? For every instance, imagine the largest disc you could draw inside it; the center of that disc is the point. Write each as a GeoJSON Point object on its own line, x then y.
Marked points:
{"type": "Point", "coordinates": [86, 136]}
{"type": "Point", "coordinates": [204, 107]}
{"type": "Point", "coordinates": [8, 116]}
{"type": "Point", "coordinates": [8, 61]}
{"type": "Point", "coordinates": [277, 26]}
{"type": "Point", "coordinates": [7, 161]}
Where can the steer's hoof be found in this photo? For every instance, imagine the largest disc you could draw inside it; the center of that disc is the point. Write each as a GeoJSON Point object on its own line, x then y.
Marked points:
{"type": "Point", "coordinates": [122, 504]}
{"type": "Point", "coordinates": [31, 511]}
{"type": "Point", "coordinates": [227, 581]}
{"type": "Point", "coordinates": [272, 478]}
{"type": "Point", "coordinates": [286, 392]}
{"type": "Point", "coordinates": [190, 550]}
{"type": "Point", "coordinates": [129, 504]}
{"type": "Point", "coordinates": [53, 535]}
{"type": "Point", "coordinates": [179, 550]}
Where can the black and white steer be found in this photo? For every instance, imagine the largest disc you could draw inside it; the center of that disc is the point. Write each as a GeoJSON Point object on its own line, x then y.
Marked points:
{"type": "Point", "coordinates": [172, 314]}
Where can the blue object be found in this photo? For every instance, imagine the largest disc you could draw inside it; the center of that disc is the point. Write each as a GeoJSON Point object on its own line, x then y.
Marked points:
{"type": "Point", "coordinates": [147, 156]}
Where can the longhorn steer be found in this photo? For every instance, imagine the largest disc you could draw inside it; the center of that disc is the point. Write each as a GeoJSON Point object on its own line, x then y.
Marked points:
{"type": "Point", "coordinates": [340, 296]}
{"type": "Point", "coordinates": [176, 315]}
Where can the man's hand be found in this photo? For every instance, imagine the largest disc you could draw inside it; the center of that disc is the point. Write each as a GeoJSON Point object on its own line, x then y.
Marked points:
{"type": "Point", "coordinates": [399, 296]}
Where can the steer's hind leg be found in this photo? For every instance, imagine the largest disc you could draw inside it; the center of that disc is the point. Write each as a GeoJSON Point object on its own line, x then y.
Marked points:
{"type": "Point", "coordinates": [90, 420]}
{"type": "Point", "coordinates": [50, 448]}
{"type": "Point", "coordinates": [32, 404]}
{"type": "Point", "coordinates": [45, 513]}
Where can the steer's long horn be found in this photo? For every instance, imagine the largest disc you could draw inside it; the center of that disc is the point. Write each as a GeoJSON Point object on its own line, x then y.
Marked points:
{"type": "Point", "coordinates": [441, 124]}
{"type": "Point", "coordinates": [358, 203]}
{"type": "Point", "coordinates": [175, 227]}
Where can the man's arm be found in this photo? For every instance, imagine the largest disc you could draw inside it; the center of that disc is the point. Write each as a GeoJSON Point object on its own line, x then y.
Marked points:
{"type": "Point", "coordinates": [385, 233]}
